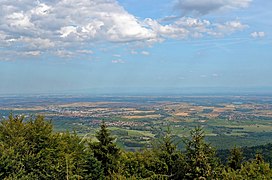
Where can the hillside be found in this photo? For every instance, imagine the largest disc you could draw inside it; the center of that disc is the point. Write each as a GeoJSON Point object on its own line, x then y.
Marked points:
{"type": "Point", "coordinates": [29, 149]}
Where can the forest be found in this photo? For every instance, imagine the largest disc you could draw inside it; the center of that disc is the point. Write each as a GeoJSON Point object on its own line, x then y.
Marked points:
{"type": "Point", "coordinates": [30, 149]}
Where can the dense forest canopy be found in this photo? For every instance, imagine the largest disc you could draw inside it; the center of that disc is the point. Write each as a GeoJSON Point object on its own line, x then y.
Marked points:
{"type": "Point", "coordinates": [29, 149]}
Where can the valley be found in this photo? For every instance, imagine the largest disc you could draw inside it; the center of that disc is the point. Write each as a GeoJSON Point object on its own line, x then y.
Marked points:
{"type": "Point", "coordinates": [136, 121]}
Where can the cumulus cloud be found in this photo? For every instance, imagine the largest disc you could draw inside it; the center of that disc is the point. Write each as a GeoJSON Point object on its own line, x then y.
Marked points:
{"type": "Point", "coordinates": [85, 51]}
{"type": "Point", "coordinates": [32, 53]}
{"type": "Point", "coordinates": [19, 20]}
{"type": "Point", "coordinates": [64, 53]}
{"type": "Point", "coordinates": [171, 30]}
{"type": "Point", "coordinates": [118, 61]}
{"type": "Point", "coordinates": [145, 53]}
{"type": "Point", "coordinates": [54, 24]}
{"type": "Point", "coordinates": [133, 52]}
{"type": "Point", "coordinates": [215, 75]}
{"type": "Point", "coordinates": [228, 28]}
{"type": "Point", "coordinates": [186, 27]}
{"type": "Point", "coordinates": [202, 7]}
{"type": "Point", "coordinates": [257, 34]}
{"type": "Point", "coordinates": [3, 36]}
{"type": "Point", "coordinates": [36, 43]}
{"type": "Point", "coordinates": [65, 27]}
{"type": "Point", "coordinates": [117, 55]}
{"type": "Point", "coordinates": [96, 20]}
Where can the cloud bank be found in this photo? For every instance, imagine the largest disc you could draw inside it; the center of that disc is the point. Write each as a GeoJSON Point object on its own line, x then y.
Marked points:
{"type": "Point", "coordinates": [66, 27]}
{"type": "Point", "coordinates": [202, 7]}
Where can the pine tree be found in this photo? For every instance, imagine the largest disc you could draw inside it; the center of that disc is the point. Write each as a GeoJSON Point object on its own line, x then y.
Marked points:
{"type": "Point", "coordinates": [253, 169]}
{"type": "Point", "coordinates": [105, 150]}
{"type": "Point", "coordinates": [199, 156]}
{"type": "Point", "coordinates": [235, 159]}
{"type": "Point", "coordinates": [166, 151]}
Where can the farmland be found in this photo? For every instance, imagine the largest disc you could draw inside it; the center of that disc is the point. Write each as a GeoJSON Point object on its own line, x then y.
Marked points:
{"type": "Point", "coordinates": [136, 120]}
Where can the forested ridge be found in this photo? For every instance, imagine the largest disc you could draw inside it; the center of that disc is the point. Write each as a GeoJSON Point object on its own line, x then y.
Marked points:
{"type": "Point", "coordinates": [29, 149]}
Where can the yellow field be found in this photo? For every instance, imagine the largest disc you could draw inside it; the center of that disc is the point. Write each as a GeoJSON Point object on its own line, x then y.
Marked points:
{"type": "Point", "coordinates": [182, 114]}
{"type": "Point", "coordinates": [139, 112]}
{"type": "Point", "coordinates": [141, 117]}
{"type": "Point", "coordinates": [36, 108]}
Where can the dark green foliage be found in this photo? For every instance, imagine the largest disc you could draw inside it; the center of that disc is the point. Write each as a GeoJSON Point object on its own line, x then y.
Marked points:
{"type": "Point", "coordinates": [249, 153]}
{"type": "Point", "coordinates": [163, 161]}
{"type": "Point", "coordinates": [24, 146]}
{"type": "Point", "coordinates": [167, 153]}
{"type": "Point", "coordinates": [29, 149]}
{"type": "Point", "coordinates": [105, 150]}
{"type": "Point", "coordinates": [254, 169]}
{"type": "Point", "coordinates": [199, 157]}
{"type": "Point", "coordinates": [141, 164]}
{"type": "Point", "coordinates": [235, 159]}
{"type": "Point", "coordinates": [93, 168]}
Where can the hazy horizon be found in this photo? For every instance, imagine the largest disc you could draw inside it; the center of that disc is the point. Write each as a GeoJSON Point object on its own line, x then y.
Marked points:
{"type": "Point", "coordinates": [193, 91]}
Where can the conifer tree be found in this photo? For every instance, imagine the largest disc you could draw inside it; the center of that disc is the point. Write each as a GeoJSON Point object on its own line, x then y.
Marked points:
{"type": "Point", "coordinates": [105, 150]}
{"type": "Point", "coordinates": [166, 151]}
{"type": "Point", "coordinates": [199, 156]}
{"type": "Point", "coordinates": [235, 159]}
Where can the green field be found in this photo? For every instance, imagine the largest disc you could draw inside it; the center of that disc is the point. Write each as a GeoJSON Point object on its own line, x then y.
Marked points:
{"type": "Point", "coordinates": [136, 122]}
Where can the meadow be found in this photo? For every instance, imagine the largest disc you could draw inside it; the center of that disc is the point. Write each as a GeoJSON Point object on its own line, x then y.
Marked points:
{"type": "Point", "coordinates": [135, 121]}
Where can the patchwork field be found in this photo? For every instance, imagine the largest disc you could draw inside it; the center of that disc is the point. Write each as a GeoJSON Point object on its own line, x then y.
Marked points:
{"type": "Point", "coordinates": [136, 121]}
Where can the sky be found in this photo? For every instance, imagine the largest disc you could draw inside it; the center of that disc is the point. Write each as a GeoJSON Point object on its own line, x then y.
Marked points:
{"type": "Point", "coordinates": [54, 46]}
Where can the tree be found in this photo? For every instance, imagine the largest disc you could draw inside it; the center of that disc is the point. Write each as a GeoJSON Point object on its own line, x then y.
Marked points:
{"type": "Point", "coordinates": [235, 159]}
{"type": "Point", "coordinates": [105, 150]}
{"type": "Point", "coordinates": [254, 169]}
{"type": "Point", "coordinates": [140, 165]}
{"type": "Point", "coordinates": [199, 157]}
{"type": "Point", "coordinates": [166, 151]}
{"type": "Point", "coordinates": [23, 145]}
{"type": "Point", "coordinates": [30, 150]}
{"type": "Point", "coordinates": [93, 168]}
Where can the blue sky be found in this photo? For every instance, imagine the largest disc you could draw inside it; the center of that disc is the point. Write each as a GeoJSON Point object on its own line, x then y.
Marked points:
{"type": "Point", "coordinates": [53, 46]}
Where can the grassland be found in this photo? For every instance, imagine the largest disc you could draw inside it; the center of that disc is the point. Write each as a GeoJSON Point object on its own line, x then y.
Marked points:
{"type": "Point", "coordinates": [136, 121]}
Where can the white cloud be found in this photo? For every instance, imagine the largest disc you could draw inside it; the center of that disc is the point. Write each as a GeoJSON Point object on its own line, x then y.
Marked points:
{"type": "Point", "coordinates": [33, 53]}
{"type": "Point", "coordinates": [70, 25]}
{"type": "Point", "coordinates": [67, 30]}
{"type": "Point", "coordinates": [171, 30]}
{"type": "Point", "coordinates": [133, 52]}
{"type": "Point", "coordinates": [145, 53]}
{"type": "Point", "coordinates": [85, 51]}
{"type": "Point", "coordinates": [117, 55]}
{"type": "Point", "coordinates": [37, 43]}
{"type": "Point", "coordinates": [41, 10]}
{"type": "Point", "coordinates": [3, 36]}
{"type": "Point", "coordinates": [118, 61]}
{"type": "Point", "coordinates": [127, 28]}
{"type": "Point", "coordinates": [215, 75]}
{"type": "Point", "coordinates": [19, 20]}
{"type": "Point", "coordinates": [71, 21]}
{"type": "Point", "coordinates": [228, 28]}
{"type": "Point", "coordinates": [64, 53]}
{"type": "Point", "coordinates": [98, 20]}
{"type": "Point", "coordinates": [186, 27]}
{"type": "Point", "coordinates": [203, 7]}
{"type": "Point", "coordinates": [257, 34]}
